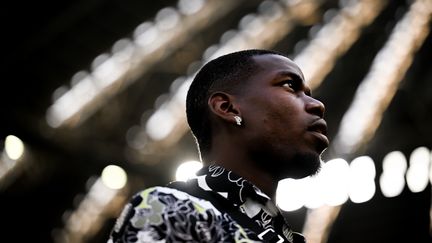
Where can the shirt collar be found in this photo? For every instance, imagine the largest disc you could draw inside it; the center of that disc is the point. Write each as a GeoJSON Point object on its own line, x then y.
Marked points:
{"type": "Point", "coordinates": [240, 192]}
{"type": "Point", "coordinates": [230, 185]}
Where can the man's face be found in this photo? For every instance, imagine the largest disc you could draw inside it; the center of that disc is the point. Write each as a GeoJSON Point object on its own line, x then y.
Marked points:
{"type": "Point", "coordinates": [285, 131]}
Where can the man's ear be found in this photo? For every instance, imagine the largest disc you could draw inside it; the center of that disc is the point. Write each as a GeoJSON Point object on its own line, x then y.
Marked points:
{"type": "Point", "coordinates": [222, 105]}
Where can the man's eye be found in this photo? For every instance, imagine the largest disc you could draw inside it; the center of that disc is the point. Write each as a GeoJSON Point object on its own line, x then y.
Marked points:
{"type": "Point", "coordinates": [289, 84]}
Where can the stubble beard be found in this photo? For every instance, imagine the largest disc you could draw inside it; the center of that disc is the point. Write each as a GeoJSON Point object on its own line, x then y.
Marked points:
{"type": "Point", "coordinates": [305, 164]}
{"type": "Point", "coordinates": [296, 166]}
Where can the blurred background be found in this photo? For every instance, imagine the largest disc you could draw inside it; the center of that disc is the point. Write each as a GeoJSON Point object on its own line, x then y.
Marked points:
{"type": "Point", "coordinates": [93, 109]}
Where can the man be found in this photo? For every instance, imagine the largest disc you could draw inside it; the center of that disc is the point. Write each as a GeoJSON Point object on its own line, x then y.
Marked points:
{"type": "Point", "coordinates": [255, 123]}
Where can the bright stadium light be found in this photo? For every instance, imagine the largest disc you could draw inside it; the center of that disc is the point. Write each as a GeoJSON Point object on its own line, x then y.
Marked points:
{"type": "Point", "coordinates": [290, 193]}
{"type": "Point", "coordinates": [14, 147]}
{"type": "Point", "coordinates": [187, 170]}
{"type": "Point", "coordinates": [362, 179]}
{"type": "Point", "coordinates": [392, 179]}
{"type": "Point", "coordinates": [417, 175]}
{"type": "Point", "coordinates": [335, 175]}
{"type": "Point", "coordinates": [114, 177]}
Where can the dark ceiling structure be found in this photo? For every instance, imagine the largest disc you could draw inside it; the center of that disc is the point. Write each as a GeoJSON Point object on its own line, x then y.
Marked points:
{"type": "Point", "coordinates": [50, 48]}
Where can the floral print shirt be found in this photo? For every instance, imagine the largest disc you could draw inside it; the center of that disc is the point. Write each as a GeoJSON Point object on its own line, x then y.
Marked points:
{"type": "Point", "coordinates": [164, 214]}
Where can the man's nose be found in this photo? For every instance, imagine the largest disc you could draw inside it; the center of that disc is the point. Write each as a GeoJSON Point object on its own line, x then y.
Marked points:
{"type": "Point", "coordinates": [314, 106]}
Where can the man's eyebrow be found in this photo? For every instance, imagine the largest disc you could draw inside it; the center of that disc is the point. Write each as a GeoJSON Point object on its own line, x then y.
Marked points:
{"type": "Point", "coordinates": [289, 74]}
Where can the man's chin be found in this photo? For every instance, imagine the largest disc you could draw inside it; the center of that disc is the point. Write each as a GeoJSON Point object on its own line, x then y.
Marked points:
{"type": "Point", "coordinates": [302, 165]}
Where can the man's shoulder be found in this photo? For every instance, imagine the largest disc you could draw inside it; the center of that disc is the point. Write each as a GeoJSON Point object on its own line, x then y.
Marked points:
{"type": "Point", "coordinates": [162, 198]}
{"type": "Point", "coordinates": [171, 214]}
{"type": "Point", "coordinates": [155, 211]}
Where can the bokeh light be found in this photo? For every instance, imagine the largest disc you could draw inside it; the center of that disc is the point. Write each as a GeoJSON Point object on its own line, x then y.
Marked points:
{"type": "Point", "coordinates": [392, 179]}
{"type": "Point", "coordinates": [14, 147]}
{"type": "Point", "coordinates": [417, 175]}
{"type": "Point", "coordinates": [114, 177]}
{"type": "Point", "coordinates": [187, 170]}
{"type": "Point", "coordinates": [362, 179]}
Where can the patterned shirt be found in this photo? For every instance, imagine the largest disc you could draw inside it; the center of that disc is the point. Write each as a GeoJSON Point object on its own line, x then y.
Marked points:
{"type": "Point", "coordinates": [164, 214]}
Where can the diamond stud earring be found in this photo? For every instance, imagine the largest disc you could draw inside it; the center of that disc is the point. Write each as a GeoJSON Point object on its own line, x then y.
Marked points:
{"type": "Point", "coordinates": [238, 120]}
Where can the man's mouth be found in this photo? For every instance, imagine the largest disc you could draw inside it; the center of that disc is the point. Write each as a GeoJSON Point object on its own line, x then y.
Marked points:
{"type": "Point", "coordinates": [319, 128]}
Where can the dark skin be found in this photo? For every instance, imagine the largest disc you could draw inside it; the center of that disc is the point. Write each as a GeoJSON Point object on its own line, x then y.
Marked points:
{"type": "Point", "coordinates": [283, 132]}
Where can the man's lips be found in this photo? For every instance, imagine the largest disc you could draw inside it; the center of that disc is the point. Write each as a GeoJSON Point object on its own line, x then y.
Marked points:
{"type": "Point", "coordinates": [319, 128]}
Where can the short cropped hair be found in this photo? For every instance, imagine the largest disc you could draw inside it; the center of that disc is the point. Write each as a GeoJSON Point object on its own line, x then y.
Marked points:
{"type": "Point", "coordinates": [226, 73]}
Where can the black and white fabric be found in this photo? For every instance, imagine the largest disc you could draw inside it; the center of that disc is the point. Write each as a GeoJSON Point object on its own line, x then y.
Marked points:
{"type": "Point", "coordinates": [166, 214]}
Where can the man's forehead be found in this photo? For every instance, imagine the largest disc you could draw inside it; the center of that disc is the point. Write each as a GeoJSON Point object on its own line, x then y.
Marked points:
{"type": "Point", "coordinates": [281, 64]}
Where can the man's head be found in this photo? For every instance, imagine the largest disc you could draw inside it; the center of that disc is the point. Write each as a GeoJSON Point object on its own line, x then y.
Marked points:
{"type": "Point", "coordinates": [282, 124]}
{"type": "Point", "coordinates": [225, 73]}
